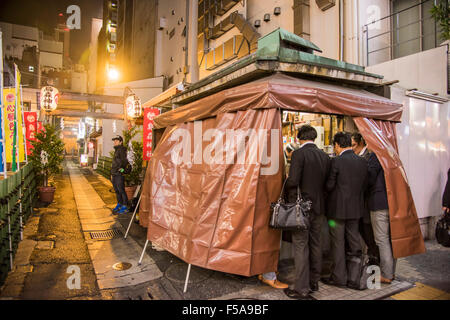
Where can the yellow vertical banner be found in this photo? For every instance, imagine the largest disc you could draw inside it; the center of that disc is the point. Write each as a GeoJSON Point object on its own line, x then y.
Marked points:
{"type": "Point", "coordinates": [9, 98]}
{"type": "Point", "coordinates": [19, 116]}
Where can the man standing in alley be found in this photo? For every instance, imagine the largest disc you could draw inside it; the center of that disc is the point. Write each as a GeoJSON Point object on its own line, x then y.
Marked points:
{"type": "Point", "coordinates": [379, 214]}
{"type": "Point", "coordinates": [346, 186]}
{"type": "Point", "coordinates": [118, 167]}
{"type": "Point", "coordinates": [365, 226]}
{"type": "Point", "coordinates": [309, 170]}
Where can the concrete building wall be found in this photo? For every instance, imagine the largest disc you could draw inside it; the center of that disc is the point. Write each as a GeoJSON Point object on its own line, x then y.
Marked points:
{"type": "Point", "coordinates": [29, 95]}
{"type": "Point", "coordinates": [141, 65]}
{"type": "Point", "coordinates": [325, 29]}
{"type": "Point", "coordinates": [257, 9]}
{"type": "Point", "coordinates": [51, 46]}
{"type": "Point", "coordinates": [425, 71]}
{"type": "Point", "coordinates": [16, 38]}
{"type": "Point", "coordinates": [52, 60]}
{"type": "Point", "coordinates": [169, 55]}
{"type": "Point", "coordinates": [79, 82]}
{"type": "Point", "coordinates": [93, 50]}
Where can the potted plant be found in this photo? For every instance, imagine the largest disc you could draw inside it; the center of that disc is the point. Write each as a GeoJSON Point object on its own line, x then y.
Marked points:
{"type": "Point", "coordinates": [133, 179]}
{"type": "Point", "coordinates": [47, 156]}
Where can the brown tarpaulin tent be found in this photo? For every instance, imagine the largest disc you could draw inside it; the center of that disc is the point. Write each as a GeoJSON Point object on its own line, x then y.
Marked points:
{"type": "Point", "coordinates": [214, 214]}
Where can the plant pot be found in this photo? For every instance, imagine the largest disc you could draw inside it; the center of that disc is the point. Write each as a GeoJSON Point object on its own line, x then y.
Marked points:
{"type": "Point", "coordinates": [130, 192]}
{"type": "Point", "coordinates": [46, 194]}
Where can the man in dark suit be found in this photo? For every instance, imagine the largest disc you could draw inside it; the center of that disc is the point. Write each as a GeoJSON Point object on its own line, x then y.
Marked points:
{"type": "Point", "coordinates": [346, 184]}
{"type": "Point", "coordinates": [365, 226]}
{"type": "Point", "coordinates": [309, 170]}
{"type": "Point", "coordinates": [379, 214]}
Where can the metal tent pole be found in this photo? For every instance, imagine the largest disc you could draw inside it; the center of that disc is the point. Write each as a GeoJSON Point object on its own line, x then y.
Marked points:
{"type": "Point", "coordinates": [132, 218]}
{"type": "Point", "coordinates": [187, 278]}
{"type": "Point", "coordinates": [143, 251]}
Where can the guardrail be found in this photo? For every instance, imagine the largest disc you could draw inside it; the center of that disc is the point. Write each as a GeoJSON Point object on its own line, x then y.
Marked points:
{"type": "Point", "coordinates": [407, 31]}
{"type": "Point", "coordinates": [18, 194]}
{"type": "Point", "coordinates": [104, 167]}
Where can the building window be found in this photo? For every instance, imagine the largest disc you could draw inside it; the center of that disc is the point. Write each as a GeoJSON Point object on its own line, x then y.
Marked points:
{"type": "Point", "coordinates": [27, 106]}
{"type": "Point", "coordinates": [409, 29]}
{"type": "Point", "coordinates": [414, 29]}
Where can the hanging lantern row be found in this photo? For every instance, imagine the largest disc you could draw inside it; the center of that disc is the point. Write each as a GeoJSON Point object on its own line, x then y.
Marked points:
{"type": "Point", "coordinates": [133, 106]}
{"type": "Point", "coordinates": [49, 98]}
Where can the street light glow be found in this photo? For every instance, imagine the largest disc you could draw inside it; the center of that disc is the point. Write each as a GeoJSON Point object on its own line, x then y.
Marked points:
{"type": "Point", "coordinates": [113, 74]}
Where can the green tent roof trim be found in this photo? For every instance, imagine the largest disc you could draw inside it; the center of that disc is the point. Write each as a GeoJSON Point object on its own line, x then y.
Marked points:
{"type": "Point", "coordinates": [271, 47]}
{"type": "Point", "coordinates": [296, 40]}
{"type": "Point", "coordinates": [285, 47]}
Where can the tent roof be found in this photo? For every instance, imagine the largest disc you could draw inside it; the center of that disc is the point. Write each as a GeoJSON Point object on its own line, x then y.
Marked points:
{"type": "Point", "coordinates": [289, 93]}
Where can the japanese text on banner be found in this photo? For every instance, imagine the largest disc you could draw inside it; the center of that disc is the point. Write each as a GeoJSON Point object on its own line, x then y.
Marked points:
{"type": "Point", "coordinates": [31, 129]}
{"type": "Point", "coordinates": [9, 98]}
{"type": "Point", "coordinates": [149, 115]}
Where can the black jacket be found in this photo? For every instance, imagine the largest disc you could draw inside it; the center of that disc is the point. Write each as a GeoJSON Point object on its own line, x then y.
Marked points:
{"type": "Point", "coordinates": [346, 184]}
{"type": "Point", "coordinates": [120, 159]}
{"type": "Point", "coordinates": [309, 169]}
{"type": "Point", "coordinates": [366, 214]}
{"type": "Point", "coordinates": [446, 195]}
{"type": "Point", "coordinates": [377, 185]}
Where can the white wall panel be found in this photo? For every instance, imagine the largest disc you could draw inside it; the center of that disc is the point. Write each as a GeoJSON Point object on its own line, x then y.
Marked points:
{"type": "Point", "coordinates": [424, 144]}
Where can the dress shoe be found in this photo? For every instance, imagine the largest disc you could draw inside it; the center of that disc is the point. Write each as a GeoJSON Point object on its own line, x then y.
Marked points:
{"type": "Point", "coordinates": [273, 283]}
{"type": "Point", "coordinates": [331, 282]}
{"type": "Point", "coordinates": [384, 280]}
{"type": "Point", "coordinates": [314, 286]}
{"type": "Point", "coordinates": [297, 295]}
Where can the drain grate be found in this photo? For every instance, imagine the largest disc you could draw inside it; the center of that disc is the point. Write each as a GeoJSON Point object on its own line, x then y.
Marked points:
{"type": "Point", "coordinates": [105, 235]}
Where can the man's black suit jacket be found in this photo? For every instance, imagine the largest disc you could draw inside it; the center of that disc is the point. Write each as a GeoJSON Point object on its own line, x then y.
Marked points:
{"type": "Point", "coordinates": [346, 185]}
{"type": "Point", "coordinates": [309, 169]}
{"type": "Point", "coordinates": [376, 185]}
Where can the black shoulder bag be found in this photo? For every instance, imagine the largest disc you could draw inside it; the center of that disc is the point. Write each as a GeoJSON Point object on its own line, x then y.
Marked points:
{"type": "Point", "coordinates": [290, 216]}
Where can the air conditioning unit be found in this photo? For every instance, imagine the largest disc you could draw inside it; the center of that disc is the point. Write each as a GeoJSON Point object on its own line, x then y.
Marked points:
{"type": "Point", "coordinates": [325, 4]}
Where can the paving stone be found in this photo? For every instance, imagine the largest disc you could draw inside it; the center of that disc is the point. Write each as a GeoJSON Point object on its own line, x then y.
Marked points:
{"type": "Point", "coordinates": [24, 252]}
{"type": "Point", "coordinates": [45, 245]}
{"type": "Point", "coordinates": [104, 254]}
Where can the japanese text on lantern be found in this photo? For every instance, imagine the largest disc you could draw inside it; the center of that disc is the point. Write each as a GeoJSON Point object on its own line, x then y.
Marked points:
{"type": "Point", "coordinates": [149, 115]}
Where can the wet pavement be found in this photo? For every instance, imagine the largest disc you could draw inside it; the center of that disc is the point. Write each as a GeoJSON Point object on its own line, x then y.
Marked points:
{"type": "Point", "coordinates": [55, 239]}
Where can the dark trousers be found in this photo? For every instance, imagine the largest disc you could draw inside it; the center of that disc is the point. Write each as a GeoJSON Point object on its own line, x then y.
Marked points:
{"type": "Point", "coordinates": [344, 231]}
{"type": "Point", "coordinates": [366, 231]}
{"type": "Point", "coordinates": [118, 182]}
{"type": "Point", "coordinates": [308, 254]}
